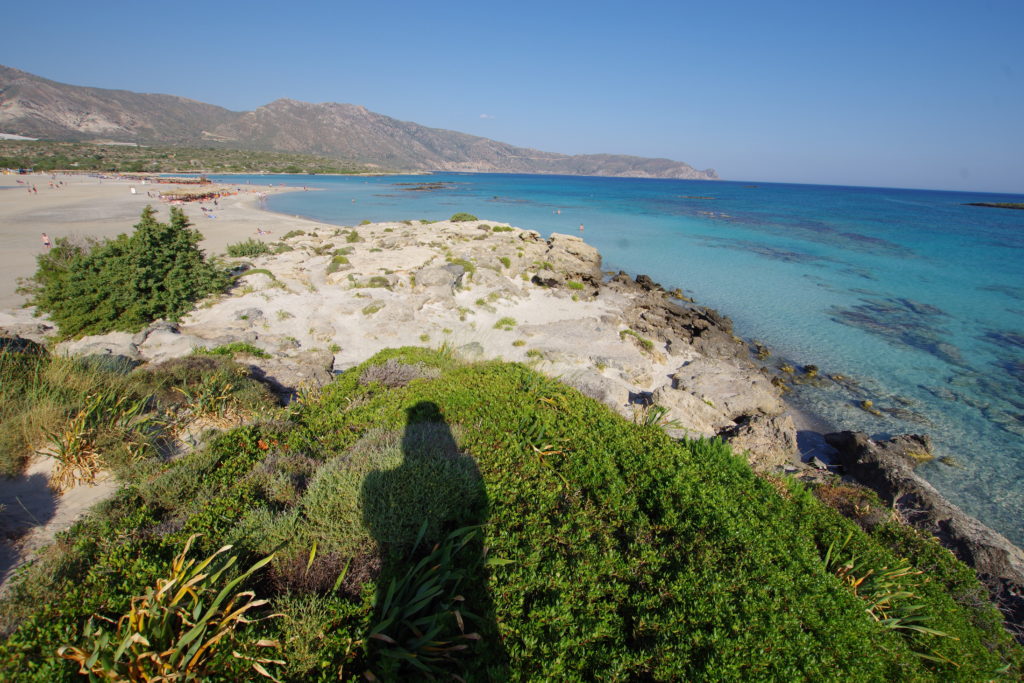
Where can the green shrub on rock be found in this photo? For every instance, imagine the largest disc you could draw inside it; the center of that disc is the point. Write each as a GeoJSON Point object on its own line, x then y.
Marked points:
{"type": "Point", "coordinates": [125, 283]}
{"type": "Point", "coordinates": [463, 217]}
{"type": "Point", "coordinates": [249, 247]}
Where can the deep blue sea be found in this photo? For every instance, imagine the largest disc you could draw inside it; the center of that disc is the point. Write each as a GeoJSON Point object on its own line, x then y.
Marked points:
{"type": "Point", "coordinates": [916, 298]}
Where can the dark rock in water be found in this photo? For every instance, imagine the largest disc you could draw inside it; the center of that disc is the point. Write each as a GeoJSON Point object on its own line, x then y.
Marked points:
{"type": "Point", "coordinates": [647, 284]}
{"type": "Point", "coordinates": [888, 468]}
{"type": "Point", "coordinates": [901, 322]}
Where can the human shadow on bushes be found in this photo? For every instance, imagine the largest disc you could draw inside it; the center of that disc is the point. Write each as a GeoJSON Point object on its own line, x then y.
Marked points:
{"type": "Point", "coordinates": [433, 614]}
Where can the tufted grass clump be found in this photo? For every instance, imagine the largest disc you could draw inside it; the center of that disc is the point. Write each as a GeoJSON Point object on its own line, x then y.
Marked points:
{"type": "Point", "coordinates": [645, 343]}
{"type": "Point", "coordinates": [250, 247]}
{"type": "Point", "coordinates": [507, 323]}
{"type": "Point", "coordinates": [231, 349]}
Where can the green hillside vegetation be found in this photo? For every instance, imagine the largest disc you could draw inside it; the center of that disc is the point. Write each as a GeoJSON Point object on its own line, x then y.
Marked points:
{"type": "Point", "coordinates": [81, 156]}
{"type": "Point", "coordinates": [420, 516]}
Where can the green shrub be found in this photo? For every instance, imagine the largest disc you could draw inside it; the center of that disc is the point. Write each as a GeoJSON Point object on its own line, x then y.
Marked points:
{"type": "Point", "coordinates": [466, 264]}
{"type": "Point", "coordinates": [645, 344]}
{"type": "Point", "coordinates": [502, 228]}
{"type": "Point", "coordinates": [250, 247]}
{"type": "Point", "coordinates": [506, 323]}
{"type": "Point", "coordinates": [337, 261]}
{"type": "Point", "coordinates": [352, 237]}
{"type": "Point", "coordinates": [572, 284]}
{"type": "Point", "coordinates": [363, 222]}
{"type": "Point", "coordinates": [463, 217]}
{"type": "Point", "coordinates": [124, 283]}
{"type": "Point", "coordinates": [233, 348]}
{"type": "Point", "coordinates": [505, 261]}
{"type": "Point", "coordinates": [293, 233]}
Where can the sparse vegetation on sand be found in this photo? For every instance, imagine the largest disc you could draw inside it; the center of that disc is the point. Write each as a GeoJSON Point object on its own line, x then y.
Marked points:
{"type": "Point", "coordinates": [422, 517]}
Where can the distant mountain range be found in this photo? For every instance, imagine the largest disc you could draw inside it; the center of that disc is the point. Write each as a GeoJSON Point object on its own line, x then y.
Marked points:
{"type": "Point", "coordinates": [40, 108]}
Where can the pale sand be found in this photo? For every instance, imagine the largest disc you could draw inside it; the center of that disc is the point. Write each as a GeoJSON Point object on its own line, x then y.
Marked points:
{"type": "Point", "coordinates": [87, 206]}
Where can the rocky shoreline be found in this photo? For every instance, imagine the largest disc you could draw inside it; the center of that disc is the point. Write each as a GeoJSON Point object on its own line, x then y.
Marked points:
{"type": "Point", "coordinates": [331, 297]}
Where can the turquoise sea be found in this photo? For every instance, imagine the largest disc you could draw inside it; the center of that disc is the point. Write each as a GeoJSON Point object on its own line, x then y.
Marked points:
{"type": "Point", "coordinates": [913, 296]}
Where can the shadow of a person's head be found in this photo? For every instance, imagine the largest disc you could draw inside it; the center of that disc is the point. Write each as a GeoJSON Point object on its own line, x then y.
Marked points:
{"type": "Point", "coordinates": [430, 482]}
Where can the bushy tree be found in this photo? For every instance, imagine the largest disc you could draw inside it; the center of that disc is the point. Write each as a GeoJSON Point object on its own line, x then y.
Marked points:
{"type": "Point", "coordinates": [125, 283]}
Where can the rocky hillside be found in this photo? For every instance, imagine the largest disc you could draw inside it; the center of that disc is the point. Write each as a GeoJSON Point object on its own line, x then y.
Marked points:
{"type": "Point", "coordinates": [37, 107]}
{"type": "Point", "coordinates": [40, 108]}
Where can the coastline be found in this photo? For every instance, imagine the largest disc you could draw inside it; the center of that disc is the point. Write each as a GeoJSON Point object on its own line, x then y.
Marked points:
{"type": "Point", "coordinates": [615, 340]}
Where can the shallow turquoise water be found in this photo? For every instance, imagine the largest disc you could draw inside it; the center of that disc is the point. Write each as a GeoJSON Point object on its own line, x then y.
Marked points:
{"type": "Point", "coordinates": [915, 296]}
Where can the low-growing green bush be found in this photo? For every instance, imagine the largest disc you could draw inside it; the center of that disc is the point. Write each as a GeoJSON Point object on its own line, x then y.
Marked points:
{"type": "Point", "coordinates": [558, 542]}
{"type": "Point", "coordinates": [233, 348]}
{"type": "Point", "coordinates": [337, 262]}
{"type": "Point", "coordinates": [502, 228]}
{"type": "Point", "coordinates": [645, 343]}
{"type": "Point", "coordinates": [293, 233]}
{"type": "Point", "coordinates": [507, 323]}
{"type": "Point", "coordinates": [463, 217]}
{"type": "Point", "coordinates": [249, 247]}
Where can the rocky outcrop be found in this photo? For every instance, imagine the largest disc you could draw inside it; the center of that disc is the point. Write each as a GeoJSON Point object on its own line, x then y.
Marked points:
{"type": "Point", "coordinates": [474, 286]}
{"type": "Point", "coordinates": [888, 468]}
{"type": "Point", "coordinates": [704, 329]}
{"type": "Point", "coordinates": [287, 376]}
{"type": "Point", "coordinates": [770, 442]}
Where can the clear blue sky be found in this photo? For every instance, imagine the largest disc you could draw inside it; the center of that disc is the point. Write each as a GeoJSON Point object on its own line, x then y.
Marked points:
{"type": "Point", "coordinates": [902, 93]}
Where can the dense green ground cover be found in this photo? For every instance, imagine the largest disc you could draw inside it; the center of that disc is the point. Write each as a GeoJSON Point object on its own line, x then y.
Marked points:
{"type": "Point", "coordinates": [554, 541]}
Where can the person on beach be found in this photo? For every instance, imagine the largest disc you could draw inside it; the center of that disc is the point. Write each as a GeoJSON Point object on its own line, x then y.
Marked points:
{"type": "Point", "coordinates": [46, 242]}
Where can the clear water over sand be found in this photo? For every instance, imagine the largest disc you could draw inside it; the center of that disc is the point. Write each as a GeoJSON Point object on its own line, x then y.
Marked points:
{"type": "Point", "coordinates": [914, 296]}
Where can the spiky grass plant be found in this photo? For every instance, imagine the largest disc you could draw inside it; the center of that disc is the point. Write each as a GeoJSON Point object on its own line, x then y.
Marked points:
{"type": "Point", "coordinates": [74, 446]}
{"type": "Point", "coordinates": [175, 629]}
{"type": "Point", "coordinates": [421, 620]}
{"type": "Point", "coordinates": [886, 593]}
{"type": "Point", "coordinates": [653, 415]}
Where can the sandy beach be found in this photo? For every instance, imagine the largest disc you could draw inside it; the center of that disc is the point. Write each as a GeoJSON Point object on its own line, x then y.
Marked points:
{"type": "Point", "coordinates": [94, 207]}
